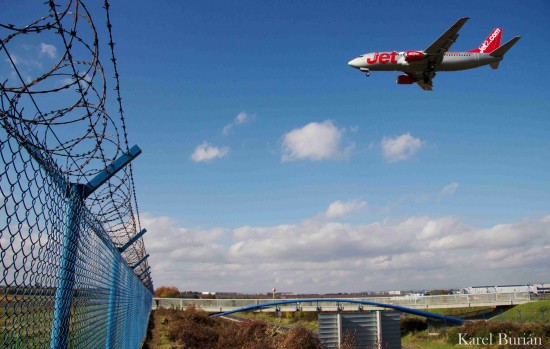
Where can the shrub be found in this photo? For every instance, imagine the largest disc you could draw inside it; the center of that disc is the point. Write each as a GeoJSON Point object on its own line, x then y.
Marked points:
{"type": "Point", "coordinates": [193, 336]}
{"type": "Point", "coordinates": [412, 324]}
{"type": "Point", "coordinates": [194, 329]}
{"type": "Point", "coordinates": [349, 340]}
{"type": "Point", "coordinates": [483, 329]}
{"type": "Point", "coordinates": [300, 338]}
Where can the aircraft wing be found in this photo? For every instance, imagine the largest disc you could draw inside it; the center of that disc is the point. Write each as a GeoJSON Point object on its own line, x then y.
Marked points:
{"type": "Point", "coordinates": [435, 53]}
{"type": "Point", "coordinates": [445, 41]}
{"type": "Point", "coordinates": [423, 80]}
{"type": "Point", "coordinates": [426, 86]}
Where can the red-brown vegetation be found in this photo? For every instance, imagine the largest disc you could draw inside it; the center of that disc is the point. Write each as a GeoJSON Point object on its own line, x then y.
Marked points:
{"type": "Point", "coordinates": [525, 333]}
{"type": "Point", "coordinates": [167, 292]}
{"type": "Point", "coordinates": [194, 329]}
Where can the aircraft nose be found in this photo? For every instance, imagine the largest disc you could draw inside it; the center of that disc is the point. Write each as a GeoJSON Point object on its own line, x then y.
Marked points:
{"type": "Point", "coordinates": [355, 63]}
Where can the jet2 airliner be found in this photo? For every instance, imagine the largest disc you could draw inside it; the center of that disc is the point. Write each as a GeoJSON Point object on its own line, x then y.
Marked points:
{"type": "Point", "coordinates": [421, 66]}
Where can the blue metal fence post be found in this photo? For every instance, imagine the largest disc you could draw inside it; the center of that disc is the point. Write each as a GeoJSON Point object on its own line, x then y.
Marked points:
{"type": "Point", "coordinates": [96, 182]}
{"type": "Point", "coordinates": [132, 240]}
{"type": "Point", "coordinates": [113, 297]}
{"type": "Point", "coordinates": [130, 318]}
{"type": "Point", "coordinates": [140, 261]}
{"type": "Point", "coordinates": [64, 291]}
{"type": "Point", "coordinates": [113, 300]}
{"type": "Point", "coordinates": [124, 326]}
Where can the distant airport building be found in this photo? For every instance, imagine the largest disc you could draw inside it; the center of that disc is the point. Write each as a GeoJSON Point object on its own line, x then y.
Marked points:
{"type": "Point", "coordinates": [281, 294]}
{"type": "Point", "coordinates": [408, 297]}
{"type": "Point", "coordinates": [531, 288]}
{"type": "Point", "coordinates": [208, 293]}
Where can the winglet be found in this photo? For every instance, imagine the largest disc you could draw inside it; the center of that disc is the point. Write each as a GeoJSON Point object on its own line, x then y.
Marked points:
{"type": "Point", "coordinates": [499, 52]}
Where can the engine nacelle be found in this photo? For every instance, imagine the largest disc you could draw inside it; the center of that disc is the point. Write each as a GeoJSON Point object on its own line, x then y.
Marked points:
{"type": "Point", "coordinates": [404, 80]}
{"type": "Point", "coordinates": [414, 56]}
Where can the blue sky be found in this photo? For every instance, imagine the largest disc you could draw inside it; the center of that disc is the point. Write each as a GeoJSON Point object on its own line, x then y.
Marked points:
{"type": "Point", "coordinates": [267, 161]}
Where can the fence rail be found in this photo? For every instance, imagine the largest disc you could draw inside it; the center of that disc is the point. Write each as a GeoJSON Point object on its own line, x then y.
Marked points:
{"type": "Point", "coordinates": [74, 271]}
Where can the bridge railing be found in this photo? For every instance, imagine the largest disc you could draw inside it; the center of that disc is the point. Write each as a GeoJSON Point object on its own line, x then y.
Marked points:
{"type": "Point", "coordinates": [417, 302]}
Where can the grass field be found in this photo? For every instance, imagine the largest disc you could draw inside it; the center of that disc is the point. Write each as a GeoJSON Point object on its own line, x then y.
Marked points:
{"type": "Point", "coordinates": [425, 341]}
{"type": "Point", "coordinates": [25, 322]}
{"type": "Point", "coordinates": [463, 313]}
{"type": "Point", "coordinates": [529, 312]}
{"type": "Point", "coordinates": [158, 333]}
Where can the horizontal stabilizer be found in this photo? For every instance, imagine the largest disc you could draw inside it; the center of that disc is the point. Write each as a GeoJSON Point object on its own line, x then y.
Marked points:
{"type": "Point", "coordinates": [494, 65]}
{"type": "Point", "coordinates": [499, 52]}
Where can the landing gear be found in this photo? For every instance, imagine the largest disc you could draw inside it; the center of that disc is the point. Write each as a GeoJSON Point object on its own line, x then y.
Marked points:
{"type": "Point", "coordinates": [366, 71]}
{"type": "Point", "coordinates": [428, 78]}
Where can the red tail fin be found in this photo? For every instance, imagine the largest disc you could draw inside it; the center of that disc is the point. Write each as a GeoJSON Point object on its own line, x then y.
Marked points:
{"type": "Point", "coordinates": [491, 43]}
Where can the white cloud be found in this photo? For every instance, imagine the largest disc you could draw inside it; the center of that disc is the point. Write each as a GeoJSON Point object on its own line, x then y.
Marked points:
{"type": "Point", "coordinates": [205, 152]}
{"type": "Point", "coordinates": [400, 148]}
{"type": "Point", "coordinates": [449, 189]}
{"type": "Point", "coordinates": [48, 50]}
{"type": "Point", "coordinates": [315, 141]}
{"type": "Point", "coordinates": [30, 61]}
{"type": "Point", "coordinates": [227, 129]}
{"type": "Point", "coordinates": [240, 119]}
{"type": "Point", "coordinates": [340, 208]}
{"type": "Point", "coordinates": [416, 252]}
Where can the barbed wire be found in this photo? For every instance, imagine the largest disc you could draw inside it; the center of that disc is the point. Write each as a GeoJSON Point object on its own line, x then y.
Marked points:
{"type": "Point", "coordinates": [63, 111]}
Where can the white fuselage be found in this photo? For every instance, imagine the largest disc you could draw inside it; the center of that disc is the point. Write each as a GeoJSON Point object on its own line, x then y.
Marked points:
{"type": "Point", "coordinates": [397, 61]}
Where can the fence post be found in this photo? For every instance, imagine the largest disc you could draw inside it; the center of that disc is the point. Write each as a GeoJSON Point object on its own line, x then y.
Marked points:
{"type": "Point", "coordinates": [64, 291]}
{"type": "Point", "coordinates": [113, 300]}
{"type": "Point", "coordinates": [88, 189]}
{"type": "Point", "coordinates": [110, 341]}
{"type": "Point", "coordinates": [140, 261]}
{"type": "Point", "coordinates": [129, 321]}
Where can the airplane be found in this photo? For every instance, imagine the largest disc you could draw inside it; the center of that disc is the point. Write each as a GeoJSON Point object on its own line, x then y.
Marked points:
{"type": "Point", "coordinates": [421, 66]}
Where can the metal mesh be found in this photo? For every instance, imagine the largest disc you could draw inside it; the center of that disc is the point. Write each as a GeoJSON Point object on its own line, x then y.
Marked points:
{"type": "Point", "coordinates": [63, 281]}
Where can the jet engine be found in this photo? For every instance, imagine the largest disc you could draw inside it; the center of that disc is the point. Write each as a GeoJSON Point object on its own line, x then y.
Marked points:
{"type": "Point", "coordinates": [404, 80]}
{"type": "Point", "coordinates": [414, 56]}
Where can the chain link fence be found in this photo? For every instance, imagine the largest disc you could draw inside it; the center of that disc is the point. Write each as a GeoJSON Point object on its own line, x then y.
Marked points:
{"type": "Point", "coordinates": [73, 270]}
